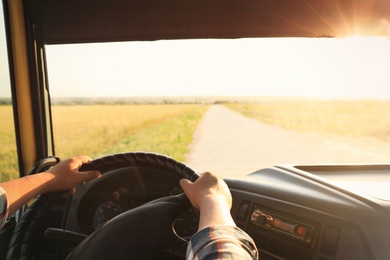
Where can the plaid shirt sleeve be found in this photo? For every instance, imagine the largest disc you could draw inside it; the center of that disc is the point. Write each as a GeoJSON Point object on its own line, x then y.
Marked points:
{"type": "Point", "coordinates": [3, 208]}
{"type": "Point", "coordinates": [221, 242]}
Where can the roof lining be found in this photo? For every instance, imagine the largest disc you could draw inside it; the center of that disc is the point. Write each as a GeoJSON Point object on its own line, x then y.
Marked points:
{"type": "Point", "coordinates": [80, 21]}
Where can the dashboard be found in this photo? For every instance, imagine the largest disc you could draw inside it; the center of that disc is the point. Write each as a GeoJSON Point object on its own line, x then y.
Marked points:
{"type": "Point", "coordinates": [290, 212]}
{"type": "Point", "coordinates": [293, 214]}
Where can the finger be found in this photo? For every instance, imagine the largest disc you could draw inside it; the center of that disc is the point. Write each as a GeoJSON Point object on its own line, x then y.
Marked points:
{"type": "Point", "coordinates": [83, 159]}
{"type": "Point", "coordinates": [185, 184]}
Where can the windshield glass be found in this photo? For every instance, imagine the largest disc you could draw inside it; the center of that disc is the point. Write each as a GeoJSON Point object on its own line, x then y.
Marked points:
{"type": "Point", "coordinates": [227, 106]}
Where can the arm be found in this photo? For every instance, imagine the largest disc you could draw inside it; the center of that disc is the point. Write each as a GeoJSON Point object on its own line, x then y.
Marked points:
{"type": "Point", "coordinates": [217, 236]}
{"type": "Point", "coordinates": [62, 177]}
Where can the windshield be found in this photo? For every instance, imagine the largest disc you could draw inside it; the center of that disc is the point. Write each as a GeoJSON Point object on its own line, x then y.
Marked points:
{"type": "Point", "coordinates": [228, 106]}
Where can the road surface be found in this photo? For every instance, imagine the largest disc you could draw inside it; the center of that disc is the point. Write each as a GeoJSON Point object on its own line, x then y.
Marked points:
{"type": "Point", "coordinates": [231, 145]}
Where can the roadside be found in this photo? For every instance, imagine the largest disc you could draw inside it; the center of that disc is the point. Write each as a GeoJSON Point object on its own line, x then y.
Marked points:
{"type": "Point", "coordinates": [231, 145]}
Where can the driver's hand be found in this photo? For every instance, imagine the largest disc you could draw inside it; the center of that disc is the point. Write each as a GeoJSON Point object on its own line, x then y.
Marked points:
{"type": "Point", "coordinates": [65, 176]}
{"type": "Point", "coordinates": [208, 188]}
{"type": "Point", "coordinates": [211, 196]}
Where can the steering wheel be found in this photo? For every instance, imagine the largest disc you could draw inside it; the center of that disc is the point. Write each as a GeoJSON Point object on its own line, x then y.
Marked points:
{"type": "Point", "coordinates": [140, 233]}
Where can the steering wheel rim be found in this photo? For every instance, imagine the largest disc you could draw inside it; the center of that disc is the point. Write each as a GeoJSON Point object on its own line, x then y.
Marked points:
{"type": "Point", "coordinates": [141, 159]}
{"type": "Point", "coordinates": [22, 241]}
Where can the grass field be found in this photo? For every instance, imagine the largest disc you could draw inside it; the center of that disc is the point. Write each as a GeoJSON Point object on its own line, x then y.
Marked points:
{"type": "Point", "coordinates": [97, 130]}
{"type": "Point", "coordinates": [347, 118]}
{"type": "Point", "coordinates": [103, 129]}
{"type": "Point", "coordinates": [8, 156]}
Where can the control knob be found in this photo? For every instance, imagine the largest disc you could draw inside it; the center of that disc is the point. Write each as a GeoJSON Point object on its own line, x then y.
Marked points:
{"type": "Point", "coordinates": [260, 218]}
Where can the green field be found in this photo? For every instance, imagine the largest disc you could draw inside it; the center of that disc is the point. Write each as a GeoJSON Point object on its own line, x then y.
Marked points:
{"type": "Point", "coordinates": [97, 130]}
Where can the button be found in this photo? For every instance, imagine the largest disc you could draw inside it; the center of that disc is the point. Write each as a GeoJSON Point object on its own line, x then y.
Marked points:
{"type": "Point", "coordinates": [261, 219]}
{"type": "Point", "coordinates": [243, 211]}
{"type": "Point", "coordinates": [300, 230]}
{"type": "Point", "coordinates": [331, 240]}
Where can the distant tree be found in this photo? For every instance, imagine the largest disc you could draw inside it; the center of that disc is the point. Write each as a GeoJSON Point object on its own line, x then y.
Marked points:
{"type": "Point", "coordinates": [5, 101]}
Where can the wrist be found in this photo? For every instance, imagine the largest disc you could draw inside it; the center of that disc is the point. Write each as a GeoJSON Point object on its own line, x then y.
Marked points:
{"type": "Point", "coordinates": [215, 211]}
{"type": "Point", "coordinates": [215, 202]}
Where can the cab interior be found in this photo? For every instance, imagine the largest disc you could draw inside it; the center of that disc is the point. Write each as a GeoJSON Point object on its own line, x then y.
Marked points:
{"type": "Point", "coordinates": [317, 219]}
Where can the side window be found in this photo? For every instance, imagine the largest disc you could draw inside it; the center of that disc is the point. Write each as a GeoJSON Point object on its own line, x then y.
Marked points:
{"type": "Point", "coordinates": [8, 155]}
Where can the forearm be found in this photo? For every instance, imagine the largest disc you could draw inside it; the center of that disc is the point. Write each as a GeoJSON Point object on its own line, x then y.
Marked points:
{"type": "Point", "coordinates": [64, 176]}
{"type": "Point", "coordinates": [20, 191]}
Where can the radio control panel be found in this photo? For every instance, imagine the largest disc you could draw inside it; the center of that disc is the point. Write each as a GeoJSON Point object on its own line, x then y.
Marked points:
{"type": "Point", "coordinates": [280, 224]}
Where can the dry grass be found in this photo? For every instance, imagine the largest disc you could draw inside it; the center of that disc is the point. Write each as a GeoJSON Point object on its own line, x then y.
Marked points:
{"type": "Point", "coordinates": [348, 118]}
{"type": "Point", "coordinates": [101, 129]}
{"type": "Point", "coordinates": [8, 156]}
{"type": "Point", "coordinates": [171, 136]}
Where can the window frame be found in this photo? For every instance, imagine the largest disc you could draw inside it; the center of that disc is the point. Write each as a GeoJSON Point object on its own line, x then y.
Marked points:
{"type": "Point", "coordinates": [29, 89]}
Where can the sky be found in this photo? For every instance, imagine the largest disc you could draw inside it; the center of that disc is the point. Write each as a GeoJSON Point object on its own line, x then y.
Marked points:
{"type": "Point", "coordinates": [355, 67]}
{"type": "Point", "coordinates": [4, 76]}
{"type": "Point", "coordinates": [351, 67]}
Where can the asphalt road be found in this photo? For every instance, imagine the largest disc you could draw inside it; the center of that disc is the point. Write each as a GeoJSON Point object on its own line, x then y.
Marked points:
{"type": "Point", "coordinates": [231, 145]}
